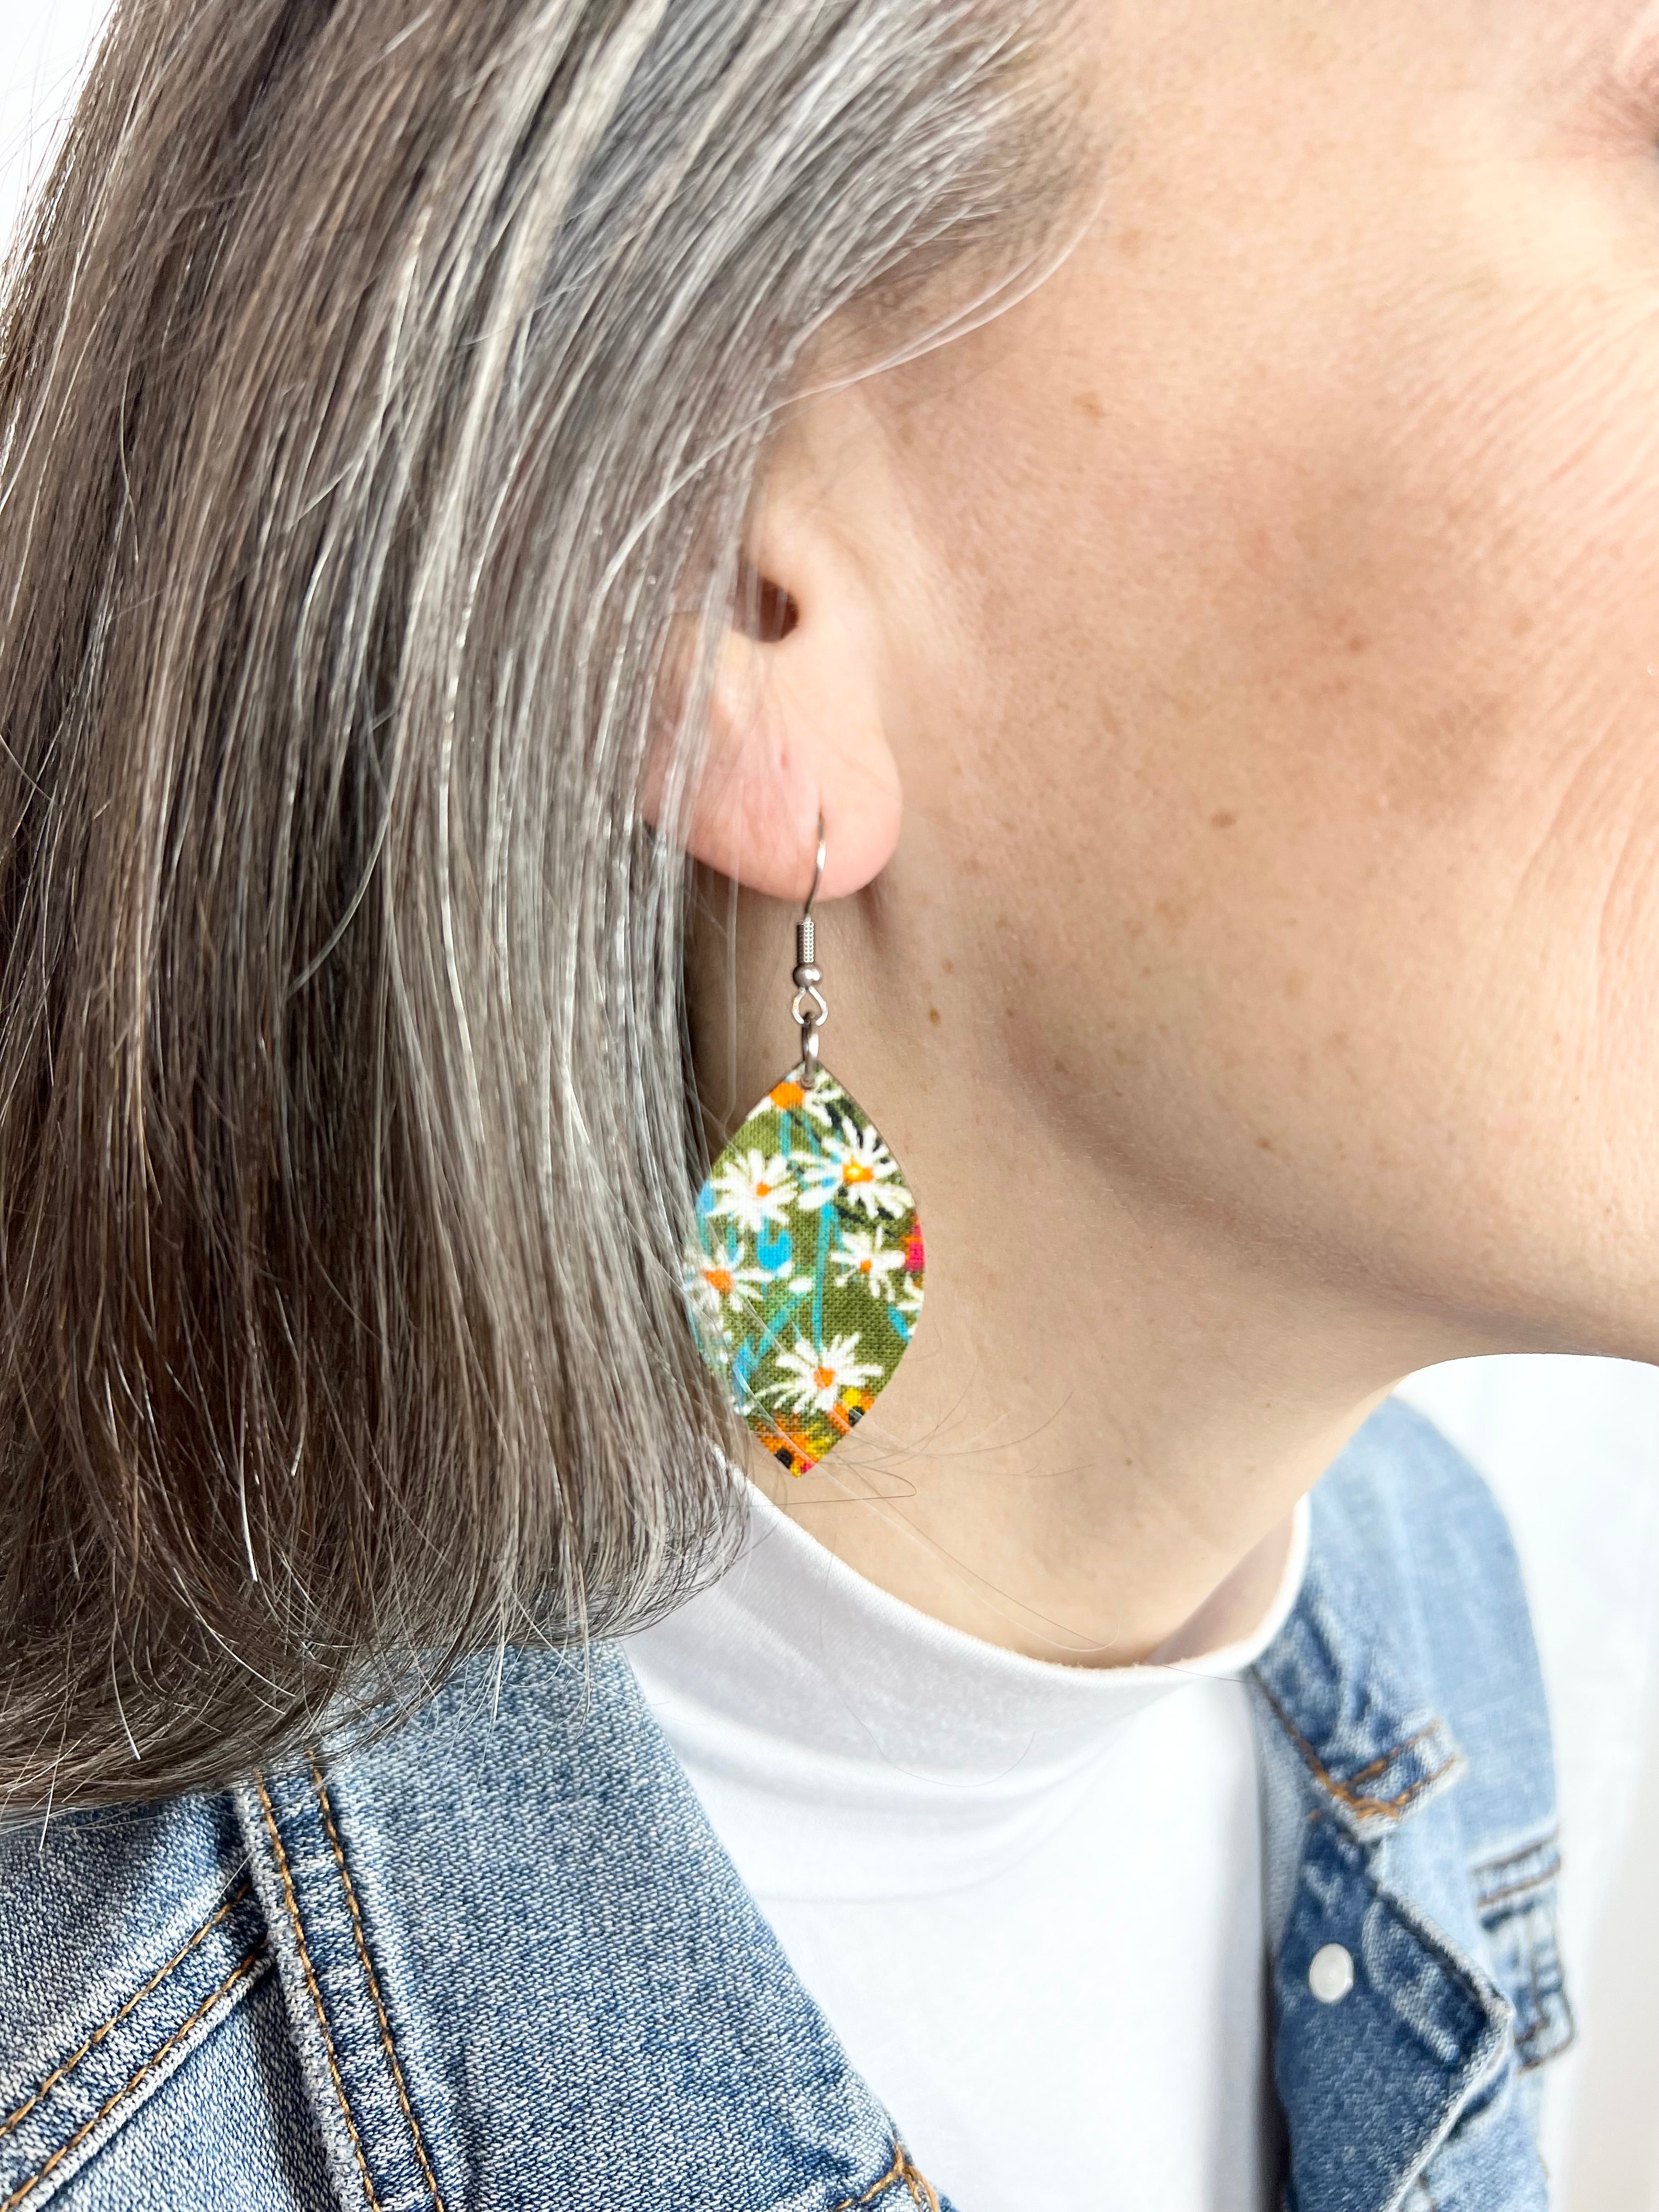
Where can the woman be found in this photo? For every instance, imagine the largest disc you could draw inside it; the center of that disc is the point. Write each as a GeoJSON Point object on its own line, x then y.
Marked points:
{"type": "Point", "coordinates": [1159, 497]}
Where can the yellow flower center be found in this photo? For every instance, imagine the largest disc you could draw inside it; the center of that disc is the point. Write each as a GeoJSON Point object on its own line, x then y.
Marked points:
{"type": "Point", "coordinates": [762, 1190]}
{"type": "Point", "coordinates": [824, 1378]}
{"type": "Point", "coordinates": [855, 1171]}
{"type": "Point", "coordinates": [786, 1095]}
{"type": "Point", "coordinates": [719, 1280]}
{"type": "Point", "coordinates": [864, 1266]}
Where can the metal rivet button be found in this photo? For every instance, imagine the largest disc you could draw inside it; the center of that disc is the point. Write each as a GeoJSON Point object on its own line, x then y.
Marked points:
{"type": "Point", "coordinates": [1330, 1974]}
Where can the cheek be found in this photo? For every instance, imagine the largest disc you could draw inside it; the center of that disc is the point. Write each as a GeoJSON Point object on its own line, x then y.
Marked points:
{"type": "Point", "coordinates": [1330, 837]}
{"type": "Point", "coordinates": [1445, 712]}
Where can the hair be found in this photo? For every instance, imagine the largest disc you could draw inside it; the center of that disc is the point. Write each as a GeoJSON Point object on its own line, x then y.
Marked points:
{"type": "Point", "coordinates": [382, 385]}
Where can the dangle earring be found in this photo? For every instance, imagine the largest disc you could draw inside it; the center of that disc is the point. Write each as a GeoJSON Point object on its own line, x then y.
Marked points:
{"type": "Point", "coordinates": [804, 1279]}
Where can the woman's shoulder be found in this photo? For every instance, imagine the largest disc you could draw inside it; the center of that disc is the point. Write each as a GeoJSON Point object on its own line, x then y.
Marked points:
{"type": "Point", "coordinates": [1403, 1496]}
{"type": "Point", "coordinates": [1413, 1623]}
{"type": "Point", "coordinates": [496, 1956]}
{"type": "Point", "coordinates": [1412, 1834]}
{"type": "Point", "coordinates": [145, 2057]}
{"type": "Point", "coordinates": [1405, 1528]}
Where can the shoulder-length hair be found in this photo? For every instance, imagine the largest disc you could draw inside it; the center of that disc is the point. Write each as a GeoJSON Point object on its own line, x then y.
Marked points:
{"type": "Point", "coordinates": [380, 380]}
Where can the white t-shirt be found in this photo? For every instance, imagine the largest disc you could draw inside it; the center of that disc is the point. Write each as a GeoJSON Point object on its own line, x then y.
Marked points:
{"type": "Point", "coordinates": [1027, 1897]}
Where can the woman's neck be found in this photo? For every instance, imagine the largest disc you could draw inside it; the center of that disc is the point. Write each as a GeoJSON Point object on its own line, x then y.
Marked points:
{"type": "Point", "coordinates": [1115, 1391]}
{"type": "Point", "coordinates": [1087, 1455]}
{"type": "Point", "coordinates": [1091, 1451]}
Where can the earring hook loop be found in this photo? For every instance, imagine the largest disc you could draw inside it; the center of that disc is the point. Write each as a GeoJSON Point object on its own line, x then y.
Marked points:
{"type": "Point", "coordinates": [808, 1005]}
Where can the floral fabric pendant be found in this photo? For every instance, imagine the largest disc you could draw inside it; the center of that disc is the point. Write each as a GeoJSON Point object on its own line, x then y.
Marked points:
{"type": "Point", "coordinates": [805, 1277]}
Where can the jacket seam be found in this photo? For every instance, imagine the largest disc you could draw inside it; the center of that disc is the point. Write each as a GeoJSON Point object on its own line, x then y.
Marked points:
{"type": "Point", "coordinates": [15, 2118]}
{"type": "Point", "coordinates": [1358, 1801]}
{"type": "Point", "coordinates": [292, 1904]}
{"type": "Point", "coordinates": [238, 1972]}
{"type": "Point", "coordinates": [1543, 1858]}
{"type": "Point", "coordinates": [1548, 1838]}
{"type": "Point", "coordinates": [1552, 2021]}
{"type": "Point", "coordinates": [1528, 2061]}
{"type": "Point", "coordinates": [1380, 1766]}
{"type": "Point", "coordinates": [922, 2193]}
{"type": "Point", "coordinates": [1535, 1888]}
{"type": "Point", "coordinates": [1549, 2021]}
{"type": "Point", "coordinates": [371, 1977]}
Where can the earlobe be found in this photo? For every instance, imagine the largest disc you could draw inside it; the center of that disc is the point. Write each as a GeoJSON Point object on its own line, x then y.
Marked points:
{"type": "Point", "coordinates": [792, 740]}
{"type": "Point", "coordinates": [796, 730]}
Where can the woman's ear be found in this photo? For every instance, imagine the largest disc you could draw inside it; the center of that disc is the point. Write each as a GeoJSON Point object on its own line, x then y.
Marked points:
{"type": "Point", "coordinates": [796, 731]}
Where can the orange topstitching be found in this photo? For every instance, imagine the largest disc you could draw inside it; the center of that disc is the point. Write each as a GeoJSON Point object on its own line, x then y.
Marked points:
{"type": "Point", "coordinates": [922, 2192]}
{"type": "Point", "coordinates": [242, 1968]}
{"type": "Point", "coordinates": [115, 2019]}
{"type": "Point", "coordinates": [1390, 1808]}
{"type": "Point", "coordinates": [309, 1971]}
{"type": "Point", "coordinates": [373, 1978]}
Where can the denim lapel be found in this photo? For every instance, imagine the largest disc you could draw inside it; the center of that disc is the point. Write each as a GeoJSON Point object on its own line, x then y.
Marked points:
{"type": "Point", "coordinates": [520, 1970]}
{"type": "Point", "coordinates": [1413, 2068]}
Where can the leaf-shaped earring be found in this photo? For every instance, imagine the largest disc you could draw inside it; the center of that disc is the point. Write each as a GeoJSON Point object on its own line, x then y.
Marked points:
{"type": "Point", "coordinates": [805, 1276]}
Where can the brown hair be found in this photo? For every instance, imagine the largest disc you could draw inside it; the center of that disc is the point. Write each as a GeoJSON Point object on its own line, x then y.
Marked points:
{"type": "Point", "coordinates": [377, 382]}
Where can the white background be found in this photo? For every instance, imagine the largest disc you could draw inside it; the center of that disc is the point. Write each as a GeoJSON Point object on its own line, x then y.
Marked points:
{"type": "Point", "coordinates": [1571, 1447]}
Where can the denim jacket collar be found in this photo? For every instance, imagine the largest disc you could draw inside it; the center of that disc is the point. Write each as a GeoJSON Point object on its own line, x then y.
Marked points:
{"type": "Point", "coordinates": [1406, 2089]}
{"type": "Point", "coordinates": [515, 1967]}
{"type": "Point", "coordinates": [690, 2043]}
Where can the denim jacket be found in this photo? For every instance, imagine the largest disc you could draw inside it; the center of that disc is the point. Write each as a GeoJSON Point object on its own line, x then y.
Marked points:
{"type": "Point", "coordinates": [499, 1959]}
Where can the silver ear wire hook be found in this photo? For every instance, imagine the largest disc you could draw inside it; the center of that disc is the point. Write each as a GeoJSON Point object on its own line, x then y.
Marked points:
{"type": "Point", "coordinates": [808, 1005]}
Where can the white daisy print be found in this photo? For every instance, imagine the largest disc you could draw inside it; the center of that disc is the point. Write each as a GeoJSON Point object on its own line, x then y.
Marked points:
{"type": "Point", "coordinates": [807, 1237]}
{"type": "Point", "coordinates": [854, 1164]}
{"type": "Point", "coordinates": [753, 1190]}
{"type": "Point", "coordinates": [866, 1256]}
{"type": "Point", "coordinates": [723, 1285]}
{"type": "Point", "coordinates": [812, 1376]}
{"type": "Point", "coordinates": [820, 1102]}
